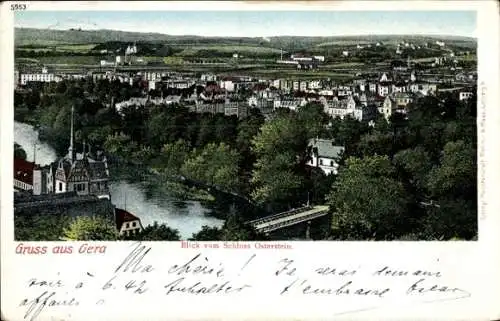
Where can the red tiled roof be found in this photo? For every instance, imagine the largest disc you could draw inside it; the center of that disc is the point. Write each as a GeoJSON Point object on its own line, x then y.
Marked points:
{"type": "Point", "coordinates": [122, 216]}
{"type": "Point", "coordinates": [23, 170]}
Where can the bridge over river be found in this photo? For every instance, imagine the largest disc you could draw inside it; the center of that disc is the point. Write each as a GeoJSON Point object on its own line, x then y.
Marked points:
{"type": "Point", "coordinates": [289, 218]}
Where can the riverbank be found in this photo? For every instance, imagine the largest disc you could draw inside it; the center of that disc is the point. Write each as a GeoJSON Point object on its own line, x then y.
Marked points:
{"type": "Point", "coordinates": [149, 197]}
{"type": "Point", "coordinates": [162, 183]}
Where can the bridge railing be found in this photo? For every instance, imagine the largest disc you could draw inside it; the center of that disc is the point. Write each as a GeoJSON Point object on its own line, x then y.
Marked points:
{"type": "Point", "coordinates": [293, 221]}
{"type": "Point", "coordinates": [279, 215]}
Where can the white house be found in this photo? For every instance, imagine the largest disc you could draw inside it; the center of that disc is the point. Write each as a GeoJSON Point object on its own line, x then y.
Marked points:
{"type": "Point", "coordinates": [208, 77]}
{"type": "Point", "coordinates": [398, 88]}
{"type": "Point", "coordinates": [38, 77]}
{"type": "Point", "coordinates": [440, 43]}
{"type": "Point", "coordinates": [346, 106]}
{"type": "Point", "coordinates": [464, 95]}
{"type": "Point", "coordinates": [314, 84]}
{"type": "Point", "coordinates": [384, 89]}
{"type": "Point", "coordinates": [325, 155]}
{"type": "Point", "coordinates": [396, 102]}
{"type": "Point", "coordinates": [292, 103]}
{"type": "Point", "coordinates": [423, 88]}
{"type": "Point", "coordinates": [228, 85]}
{"type": "Point", "coordinates": [127, 223]}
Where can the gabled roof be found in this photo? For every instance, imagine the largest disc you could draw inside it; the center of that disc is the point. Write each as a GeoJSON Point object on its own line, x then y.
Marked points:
{"type": "Point", "coordinates": [123, 216]}
{"type": "Point", "coordinates": [66, 166]}
{"type": "Point", "coordinates": [78, 170]}
{"type": "Point", "coordinates": [23, 170]}
{"type": "Point", "coordinates": [402, 95]}
{"type": "Point", "coordinates": [326, 148]}
{"type": "Point", "coordinates": [97, 170]}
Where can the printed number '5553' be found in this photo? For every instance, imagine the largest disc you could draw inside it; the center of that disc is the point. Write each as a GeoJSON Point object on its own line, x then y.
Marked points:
{"type": "Point", "coordinates": [17, 6]}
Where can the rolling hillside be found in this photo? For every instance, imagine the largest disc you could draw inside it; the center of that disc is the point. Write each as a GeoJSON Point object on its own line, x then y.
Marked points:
{"type": "Point", "coordinates": [40, 37]}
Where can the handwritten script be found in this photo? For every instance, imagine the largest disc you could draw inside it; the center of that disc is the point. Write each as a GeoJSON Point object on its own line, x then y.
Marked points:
{"type": "Point", "coordinates": [139, 274]}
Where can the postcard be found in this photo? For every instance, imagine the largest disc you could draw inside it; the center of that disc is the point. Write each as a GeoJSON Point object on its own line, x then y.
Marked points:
{"type": "Point", "coordinates": [249, 160]}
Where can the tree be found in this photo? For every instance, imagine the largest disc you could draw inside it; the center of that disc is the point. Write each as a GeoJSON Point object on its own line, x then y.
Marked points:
{"type": "Point", "coordinates": [136, 124]}
{"type": "Point", "coordinates": [451, 218]}
{"type": "Point", "coordinates": [279, 174]}
{"type": "Point", "coordinates": [348, 133]}
{"type": "Point", "coordinates": [277, 183]}
{"type": "Point", "coordinates": [376, 144]}
{"type": "Point", "coordinates": [86, 228]}
{"type": "Point", "coordinates": [225, 128]}
{"type": "Point", "coordinates": [120, 145]}
{"type": "Point", "coordinates": [39, 226]}
{"type": "Point", "coordinates": [319, 185]}
{"type": "Point", "coordinates": [367, 201]}
{"type": "Point", "coordinates": [172, 156]}
{"type": "Point", "coordinates": [207, 233]}
{"type": "Point", "coordinates": [415, 163]}
{"type": "Point", "coordinates": [247, 129]}
{"type": "Point", "coordinates": [234, 229]}
{"type": "Point", "coordinates": [456, 174]}
{"type": "Point", "coordinates": [158, 134]}
{"type": "Point", "coordinates": [98, 135]}
{"type": "Point", "coordinates": [314, 119]}
{"type": "Point", "coordinates": [215, 164]}
{"type": "Point", "coordinates": [157, 232]}
{"type": "Point", "coordinates": [19, 152]}
{"type": "Point", "coordinates": [206, 130]}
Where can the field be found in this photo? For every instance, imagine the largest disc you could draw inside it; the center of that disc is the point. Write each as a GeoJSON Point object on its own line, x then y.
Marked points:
{"type": "Point", "coordinates": [296, 74]}
{"type": "Point", "coordinates": [468, 58]}
{"type": "Point", "coordinates": [343, 43]}
{"type": "Point", "coordinates": [76, 48]}
{"type": "Point", "coordinates": [70, 48]}
{"type": "Point", "coordinates": [345, 65]}
{"type": "Point", "coordinates": [226, 49]}
{"type": "Point", "coordinates": [173, 60]}
{"type": "Point", "coordinates": [70, 60]}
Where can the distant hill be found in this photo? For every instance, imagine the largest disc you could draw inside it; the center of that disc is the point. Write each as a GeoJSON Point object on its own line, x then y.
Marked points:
{"type": "Point", "coordinates": [41, 37]}
{"type": "Point", "coordinates": [28, 36]}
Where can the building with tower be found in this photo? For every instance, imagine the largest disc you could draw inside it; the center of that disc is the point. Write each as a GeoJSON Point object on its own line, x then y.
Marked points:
{"type": "Point", "coordinates": [84, 175]}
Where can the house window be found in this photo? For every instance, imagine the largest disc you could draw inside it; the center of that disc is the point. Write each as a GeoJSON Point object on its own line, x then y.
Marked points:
{"type": "Point", "coordinates": [321, 162]}
{"type": "Point", "coordinates": [60, 186]}
{"type": "Point", "coordinates": [134, 224]}
{"type": "Point", "coordinates": [127, 225]}
{"type": "Point", "coordinates": [331, 163]}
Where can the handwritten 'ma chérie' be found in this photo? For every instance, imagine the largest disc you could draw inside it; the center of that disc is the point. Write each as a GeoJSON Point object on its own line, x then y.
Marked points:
{"type": "Point", "coordinates": [137, 273]}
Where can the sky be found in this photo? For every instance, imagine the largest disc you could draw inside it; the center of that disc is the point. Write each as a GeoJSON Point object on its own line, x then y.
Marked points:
{"type": "Point", "coordinates": [259, 23]}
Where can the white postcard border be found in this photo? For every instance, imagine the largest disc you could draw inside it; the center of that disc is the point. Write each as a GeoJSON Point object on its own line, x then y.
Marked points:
{"type": "Point", "coordinates": [473, 265]}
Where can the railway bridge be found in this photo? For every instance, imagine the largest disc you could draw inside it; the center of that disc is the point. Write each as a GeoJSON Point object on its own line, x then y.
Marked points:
{"type": "Point", "coordinates": [296, 216]}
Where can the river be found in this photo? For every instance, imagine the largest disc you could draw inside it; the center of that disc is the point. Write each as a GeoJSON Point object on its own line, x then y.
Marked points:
{"type": "Point", "coordinates": [136, 197]}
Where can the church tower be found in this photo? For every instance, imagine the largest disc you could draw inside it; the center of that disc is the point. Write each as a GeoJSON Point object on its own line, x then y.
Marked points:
{"type": "Point", "coordinates": [71, 151]}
